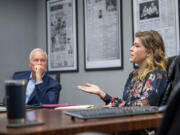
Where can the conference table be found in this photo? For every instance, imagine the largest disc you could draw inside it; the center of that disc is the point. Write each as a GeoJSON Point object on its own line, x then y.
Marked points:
{"type": "Point", "coordinates": [57, 123]}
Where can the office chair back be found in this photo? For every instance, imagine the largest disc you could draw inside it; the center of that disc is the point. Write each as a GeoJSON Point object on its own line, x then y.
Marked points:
{"type": "Point", "coordinates": [171, 120]}
{"type": "Point", "coordinates": [173, 70]}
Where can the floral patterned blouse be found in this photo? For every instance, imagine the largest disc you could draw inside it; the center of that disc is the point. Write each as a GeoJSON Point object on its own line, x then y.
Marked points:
{"type": "Point", "coordinates": [141, 93]}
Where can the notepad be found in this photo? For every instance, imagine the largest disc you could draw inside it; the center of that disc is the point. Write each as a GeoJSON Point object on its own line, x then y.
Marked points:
{"type": "Point", "coordinates": [76, 107]}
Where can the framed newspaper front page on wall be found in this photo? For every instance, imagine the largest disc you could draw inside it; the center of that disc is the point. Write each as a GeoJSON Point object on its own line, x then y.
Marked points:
{"type": "Point", "coordinates": [61, 35]}
{"type": "Point", "coordinates": [159, 15]}
{"type": "Point", "coordinates": [103, 34]}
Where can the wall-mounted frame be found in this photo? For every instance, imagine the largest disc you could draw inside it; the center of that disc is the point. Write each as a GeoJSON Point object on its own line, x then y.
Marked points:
{"type": "Point", "coordinates": [159, 15]}
{"type": "Point", "coordinates": [103, 34]}
{"type": "Point", "coordinates": [62, 35]}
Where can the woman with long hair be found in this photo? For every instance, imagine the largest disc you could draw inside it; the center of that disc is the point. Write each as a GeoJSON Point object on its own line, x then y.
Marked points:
{"type": "Point", "coordinates": [146, 84]}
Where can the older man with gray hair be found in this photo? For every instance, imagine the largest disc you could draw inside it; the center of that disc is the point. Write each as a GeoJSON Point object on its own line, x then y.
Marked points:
{"type": "Point", "coordinates": [41, 89]}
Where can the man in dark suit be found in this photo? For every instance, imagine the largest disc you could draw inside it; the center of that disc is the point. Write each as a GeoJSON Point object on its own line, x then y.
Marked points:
{"type": "Point", "coordinates": [40, 89]}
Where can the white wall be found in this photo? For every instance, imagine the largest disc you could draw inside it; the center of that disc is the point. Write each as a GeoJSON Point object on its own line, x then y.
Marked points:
{"type": "Point", "coordinates": [17, 37]}
{"type": "Point", "coordinates": [23, 27]}
{"type": "Point", "coordinates": [41, 23]}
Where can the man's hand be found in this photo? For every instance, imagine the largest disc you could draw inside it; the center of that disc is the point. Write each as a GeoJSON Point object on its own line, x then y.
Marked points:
{"type": "Point", "coordinates": [39, 70]}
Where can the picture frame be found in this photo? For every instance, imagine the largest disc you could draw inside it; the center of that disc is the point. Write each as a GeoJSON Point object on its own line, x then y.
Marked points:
{"type": "Point", "coordinates": [103, 34]}
{"type": "Point", "coordinates": [62, 35]}
{"type": "Point", "coordinates": [159, 15]}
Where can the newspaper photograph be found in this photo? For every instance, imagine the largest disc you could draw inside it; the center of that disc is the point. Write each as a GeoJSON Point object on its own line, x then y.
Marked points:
{"type": "Point", "coordinates": [159, 15]}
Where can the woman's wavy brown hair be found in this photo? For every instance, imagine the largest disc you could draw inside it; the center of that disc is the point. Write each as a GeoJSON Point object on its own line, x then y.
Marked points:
{"type": "Point", "coordinates": [153, 41]}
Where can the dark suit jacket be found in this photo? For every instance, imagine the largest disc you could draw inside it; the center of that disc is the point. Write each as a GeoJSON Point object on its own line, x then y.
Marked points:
{"type": "Point", "coordinates": [44, 93]}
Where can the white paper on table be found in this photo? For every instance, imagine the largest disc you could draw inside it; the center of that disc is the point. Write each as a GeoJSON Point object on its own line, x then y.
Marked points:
{"type": "Point", "coordinates": [76, 107]}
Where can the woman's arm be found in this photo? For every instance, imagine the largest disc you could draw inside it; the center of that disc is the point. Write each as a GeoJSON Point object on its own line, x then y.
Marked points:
{"type": "Point", "coordinates": [94, 89]}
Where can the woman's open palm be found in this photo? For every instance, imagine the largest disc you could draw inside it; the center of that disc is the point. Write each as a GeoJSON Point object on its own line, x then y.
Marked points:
{"type": "Point", "coordinates": [90, 88]}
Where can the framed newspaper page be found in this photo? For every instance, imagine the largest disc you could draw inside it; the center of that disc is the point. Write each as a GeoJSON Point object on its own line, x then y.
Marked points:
{"type": "Point", "coordinates": [61, 35]}
{"type": "Point", "coordinates": [159, 15]}
{"type": "Point", "coordinates": [103, 34]}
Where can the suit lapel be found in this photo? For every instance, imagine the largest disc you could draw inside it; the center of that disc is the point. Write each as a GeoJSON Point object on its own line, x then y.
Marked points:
{"type": "Point", "coordinates": [27, 77]}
